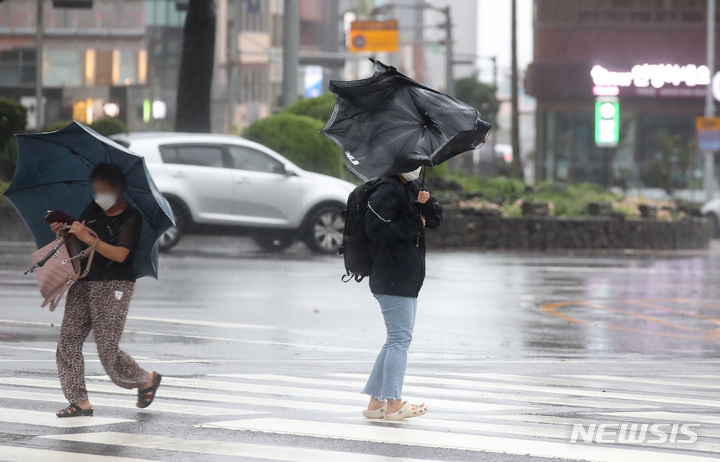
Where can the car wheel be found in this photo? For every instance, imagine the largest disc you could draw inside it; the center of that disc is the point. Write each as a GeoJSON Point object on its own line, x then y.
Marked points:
{"type": "Point", "coordinates": [272, 240]}
{"type": "Point", "coordinates": [171, 237]}
{"type": "Point", "coordinates": [324, 229]}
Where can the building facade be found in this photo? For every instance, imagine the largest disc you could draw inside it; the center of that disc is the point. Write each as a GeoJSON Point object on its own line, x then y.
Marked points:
{"type": "Point", "coordinates": [649, 54]}
{"type": "Point", "coordinates": [95, 61]}
{"type": "Point", "coordinates": [248, 76]}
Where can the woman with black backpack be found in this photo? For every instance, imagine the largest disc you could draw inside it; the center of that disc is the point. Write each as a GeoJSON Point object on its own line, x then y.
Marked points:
{"type": "Point", "coordinates": [398, 211]}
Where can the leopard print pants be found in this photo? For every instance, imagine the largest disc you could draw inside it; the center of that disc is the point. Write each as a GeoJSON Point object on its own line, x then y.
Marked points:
{"type": "Point", "coordinates": [100, 306]}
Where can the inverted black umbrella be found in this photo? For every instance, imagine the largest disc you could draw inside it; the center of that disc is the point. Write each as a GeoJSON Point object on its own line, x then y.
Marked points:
{"type": "Point", "coordinates": [389, 124]}
{"type": "Point", "coordinates": [53, 170]}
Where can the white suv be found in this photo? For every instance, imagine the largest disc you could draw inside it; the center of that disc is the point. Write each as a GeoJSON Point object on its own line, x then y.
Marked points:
{"type": "Point", "coordinates": [214, 181]}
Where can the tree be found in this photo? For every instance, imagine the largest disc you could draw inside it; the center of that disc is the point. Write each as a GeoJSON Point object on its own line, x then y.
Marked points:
{"type": "Point", "coordinates": [196, 68]}
{"type": "Point", "coordinates": [481, 96]}
{"type": "Point", "coordinates": [13, 119]}
{"type": "Point", "coordinates": [670, 166]}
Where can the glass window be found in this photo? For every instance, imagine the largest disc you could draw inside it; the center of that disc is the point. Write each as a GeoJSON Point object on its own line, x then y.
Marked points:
{"type": "Point", "coordinates": [244, 158]}
{"type": "Point", "coordinates": [169, 154]}
{"type": "Point", "coordinates": [17, 66]}
{"type": "Point", "coordinates": [65, 68]}
{"type": "Point", "coordinates": [203, 156]}
{"type": "Point", "coordinates": [128, 68]}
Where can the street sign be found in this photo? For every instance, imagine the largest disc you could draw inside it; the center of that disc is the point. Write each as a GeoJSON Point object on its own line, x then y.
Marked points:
{"type": "Point", "coordinates": [607, 121]}
{"type": "Point", "coordinates": [373, 36]}
{"type": "Point", "coordinates": [708, 133]}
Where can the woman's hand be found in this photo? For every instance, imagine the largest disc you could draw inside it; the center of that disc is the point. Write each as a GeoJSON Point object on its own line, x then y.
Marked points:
{"type": "Point", "coordinates": [423, 220]}
{"type": "Point", "coordinates": [57, 227]}
{"type": "Point", "coordinates": [423, 196]}
{"type": "Point", "coordinates": [82, 232]}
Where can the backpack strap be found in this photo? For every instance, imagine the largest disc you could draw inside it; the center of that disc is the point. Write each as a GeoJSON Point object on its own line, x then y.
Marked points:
{"type": "Point", "coordinates": [400, 192]}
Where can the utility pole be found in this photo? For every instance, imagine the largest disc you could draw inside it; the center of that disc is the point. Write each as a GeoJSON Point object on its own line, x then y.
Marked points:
{"type": "Point", "coordinates": [39, 107]}
{"type": "Point", "coordinates": [449, 74]}
{"type": "Point", "coordinates": [709, 176]}
{"type": "Point", "coordinates": [291, 39]}
{"type": "Point", "coordinates": [515, 134]}
{"type": "Point", "coordinates": [232, 62]}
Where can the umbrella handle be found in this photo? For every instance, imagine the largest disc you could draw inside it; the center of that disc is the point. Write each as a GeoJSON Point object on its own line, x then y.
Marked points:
{"type": "Point", "coordinates": [422, 183]}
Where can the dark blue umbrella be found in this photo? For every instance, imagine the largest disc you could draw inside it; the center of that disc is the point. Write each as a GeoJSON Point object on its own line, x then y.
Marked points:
{"type": "Point", "coordinates": [52, 173]}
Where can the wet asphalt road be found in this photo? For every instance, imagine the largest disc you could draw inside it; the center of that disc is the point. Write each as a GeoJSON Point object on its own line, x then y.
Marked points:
{"type": "Point", "coordinates": [264, 355]}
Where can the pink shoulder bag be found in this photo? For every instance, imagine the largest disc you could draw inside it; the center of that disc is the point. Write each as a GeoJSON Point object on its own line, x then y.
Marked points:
{"type": "Point", "coordinates": [57, 266]}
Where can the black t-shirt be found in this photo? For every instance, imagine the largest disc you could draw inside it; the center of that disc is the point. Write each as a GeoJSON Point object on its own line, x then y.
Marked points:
{"type": "Point", "coordinates": [121, 230]}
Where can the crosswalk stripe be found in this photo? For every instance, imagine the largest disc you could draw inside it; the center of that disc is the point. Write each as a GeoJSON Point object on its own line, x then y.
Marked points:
{"type": "Point", "coordinates": [606, 418]}
{"type": "Point", "coordinates": [256, 451]}
{"type": "Point", "coordinates": [507, 393]}
{"type": "Point", "coordinates": [17, 454]}
{"type": "Point", "coordinates": [190, 322]}
{"type": "Point", "coordinates": [665, 382]}
{"type": "Point", "coordinates": [210, 397]}
{"type": "Point", "coordinates": [598, 394]}
{"type": "Point", "coordinates": [671, 416]}
{"type": "Point", "coordinates": [561, 429]}
{"type": "Point", "coordinates": [631, 384]}
{"type": "Point", "coordinates": [320, 393]}
{"type": "Point", "coordinates": [406, 436]}
{"type": "Point", "coordinates": [47, 419]}
{"type": "Point", "coordinates": [124, 404]}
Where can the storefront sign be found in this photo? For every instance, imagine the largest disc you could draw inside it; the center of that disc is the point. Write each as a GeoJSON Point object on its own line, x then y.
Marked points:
{"type": "Point", "coordinates": [373, 36]}
{"type": "Point", "coordinates": [708, 133]}
{"type": "Point", "coordinates": [664, 80]}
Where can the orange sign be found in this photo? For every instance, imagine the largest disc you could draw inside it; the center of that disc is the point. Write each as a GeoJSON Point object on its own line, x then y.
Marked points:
{"type": "Point", "coordinates": [373, 36]}
{"type": "Point", "coordinates": [707, 123]}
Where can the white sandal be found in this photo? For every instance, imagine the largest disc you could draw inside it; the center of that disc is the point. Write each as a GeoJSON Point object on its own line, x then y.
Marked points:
{"type": "Point", "coordinates": [406, 411]}
{"type": "Point", "coordinates": [376, 414]}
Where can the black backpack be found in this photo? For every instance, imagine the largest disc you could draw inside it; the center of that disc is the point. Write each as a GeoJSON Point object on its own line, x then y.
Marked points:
{"type": "Point", "coordinates": [356, 248]}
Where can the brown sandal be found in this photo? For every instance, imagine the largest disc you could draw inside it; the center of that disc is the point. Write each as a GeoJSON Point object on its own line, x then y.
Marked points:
{"type": "Point", "coordinates": [147, 396]}
{"type": "Point", "coordinates": [74, 411]}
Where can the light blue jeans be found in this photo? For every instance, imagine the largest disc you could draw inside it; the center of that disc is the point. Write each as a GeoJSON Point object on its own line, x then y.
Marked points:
{"type": "Point", "coordinates": [388, 374]}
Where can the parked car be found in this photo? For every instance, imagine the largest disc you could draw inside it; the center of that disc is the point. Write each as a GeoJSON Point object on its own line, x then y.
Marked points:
{"type": "Point", "coordinates": [227, 181]}
{"type": "Point", "coordinates": [711, 210]}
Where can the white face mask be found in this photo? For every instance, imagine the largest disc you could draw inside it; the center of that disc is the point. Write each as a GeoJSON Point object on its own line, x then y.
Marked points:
{"type": "Point", "coordinates": [412, 176]}
{"type": "Point", "coordinates": [105, 200]}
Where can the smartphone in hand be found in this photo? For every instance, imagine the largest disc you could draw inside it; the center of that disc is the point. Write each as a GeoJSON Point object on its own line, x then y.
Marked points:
{"type": "Point", "coordinates": [56, 216]}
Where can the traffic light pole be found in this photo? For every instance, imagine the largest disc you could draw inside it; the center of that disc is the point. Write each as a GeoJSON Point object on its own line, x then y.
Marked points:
{"type": "Point", "coordinates": [39, 107]}
{"type": "Point", "coordinates": [709, 174]}
{"type": "Point", "coordinates": [449, 74]}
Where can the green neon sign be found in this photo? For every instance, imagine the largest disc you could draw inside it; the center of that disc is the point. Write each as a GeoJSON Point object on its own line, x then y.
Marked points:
{"type": "Point", "coordinates": [607, 121]}
{"type": "Point", "coordinates": [147, 110]}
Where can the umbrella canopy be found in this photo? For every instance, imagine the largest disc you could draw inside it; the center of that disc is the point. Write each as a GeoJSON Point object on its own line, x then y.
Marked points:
{"type": "Point", "coordinates": [389, 124]}
{"type": "Point", "coordinates": [52, 173]}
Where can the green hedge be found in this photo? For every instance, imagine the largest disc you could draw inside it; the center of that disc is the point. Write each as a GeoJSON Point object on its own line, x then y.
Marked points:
{"type": "Point", "coordinates": [319, 108]}
{"type": "Point", "coordinates": [298, 139]}
{"type": "Point", "coordinates": [107, 126]}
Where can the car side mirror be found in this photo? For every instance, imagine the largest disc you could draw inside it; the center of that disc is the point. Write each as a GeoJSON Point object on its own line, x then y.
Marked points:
{"type": "Point", "coordinates": [289, 172]}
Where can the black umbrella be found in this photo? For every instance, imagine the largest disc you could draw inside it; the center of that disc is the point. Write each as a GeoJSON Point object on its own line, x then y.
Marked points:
{"type": "Point", "coordinates": [389, 124]}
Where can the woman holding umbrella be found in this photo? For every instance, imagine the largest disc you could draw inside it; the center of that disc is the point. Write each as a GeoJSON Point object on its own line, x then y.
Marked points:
{"type": "Point", "coordinates": [100, 301]}
{"type": "Point", "coordinates": [126, 212]}
{"type": "Point", "coordinates": [398, 210]}
{"type": "Point", "coordinates": [387, 124]}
